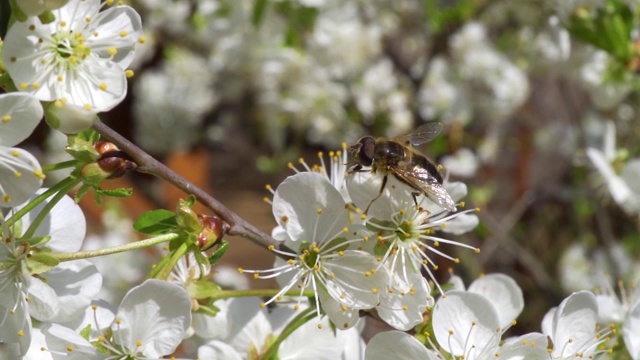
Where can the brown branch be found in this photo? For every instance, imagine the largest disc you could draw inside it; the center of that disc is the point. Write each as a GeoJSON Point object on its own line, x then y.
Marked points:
{"type": "Point", "coordinates": [147, 164]}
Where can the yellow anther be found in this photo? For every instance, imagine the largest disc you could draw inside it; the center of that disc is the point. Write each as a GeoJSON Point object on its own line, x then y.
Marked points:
{"type": "Point", "coordinates": [129, 73]}
{"type": "Point", "coordinates": [70, 348]}
{"type": "Point", "coordinates": [319, 211]}
{"type": "Point", "coordinates": [142, 40]}
{"type": "Point", "coordinates": [6, 118]}
{"type": "Point", "coordinates": [112, 51]}
{"type": "Point", "coordinates": [103, 86]}
{"type": "Point", "coordinates": [123, 33]}
{"type": "Point", "coordinates": [240, 270]}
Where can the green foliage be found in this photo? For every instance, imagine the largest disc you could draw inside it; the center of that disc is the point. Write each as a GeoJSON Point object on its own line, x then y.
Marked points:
{"type": "Point", "coordinates": [156, 222]}
{"type": "Point", "coordinates": [221, 248]}
{"type": "Point", "coordinates": [439, 16]}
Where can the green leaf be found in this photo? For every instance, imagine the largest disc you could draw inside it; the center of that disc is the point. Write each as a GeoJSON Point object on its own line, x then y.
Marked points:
{"type": "Point", "coordinates": [97, 197]}
{"type": "Point", "coordinates": [118, 193]}
{"type": "Point", "coordinates": [89, 135]}
{"type": "Point", "coordinates": [223, 246]}
{"type": "Point", "coordinates": [202, 289]}
{"type": "Point", "coordinates": [81, 149]}
{"type": "Point", "coordinates": [156, 222]}
{"type": "Point", "coordinates": [41, 262]}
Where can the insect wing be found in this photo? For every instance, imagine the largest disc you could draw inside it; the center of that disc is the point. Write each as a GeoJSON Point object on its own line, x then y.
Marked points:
{"type": "Point", "coordinates": [420, 179]}
{"type": "Point", "coordinates": [420, 135]}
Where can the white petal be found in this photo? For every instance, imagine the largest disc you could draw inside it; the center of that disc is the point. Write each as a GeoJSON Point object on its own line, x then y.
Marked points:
{"type": "Point", "coordinates": [461, 224]}
{"type": "Point", "coordinates": [60, 338]}
{"type": "Point", "coordinates": [19, 116]}
{"type": "Point", "coordinates": [75, 13]}
{"type": "Point", "coordinates": [75, 284]}
{"type": "Point", "coordinates": [309, 342]}
{"type": "Point", "coordinates": [156, 314]}
{"type": "Point", "coordinates": [43, 303]}
{"type": "Point", "coordinates": [463, 320]}
{"type": "Point", "coordinates": [65, 224]}
{"type": "Point", "coordinates": [356, 283]}
{"type": "Point", "coordinates": [528, 346]}
{"type": "Point", "coordinates": [21, 176]}
{"type": "Point", "coordinates": [547, 322]}
{"type": "Point", "coordinates": [630, 331]}
{"type": "Point", "coordinates": [343, 317]}
{"type": "Point", "coordinates": [218, 350]}
{"type": "Point", "coordinates": [98, 319]}
{"type": "Point", "coordinates": [610, 310]}
{"type": "Point", "coordinates": [249, 324]}
{"type": "Point", "coordinates": [504, 293]}
{"type": "Point", "coordinates": [403, 308]}
{"type": "Point", "coordinates": [574, 324]}
{"type": "Point", "coordinates": [109, 25]}
{"type": "Point", "coordinates": [37, 349]}
{"type": "Point", "coordinates": [396, 345]}
{"type": "Point", "coordinates": [14, 322]}
{"type": "Point", "coordinates": [296, 204]}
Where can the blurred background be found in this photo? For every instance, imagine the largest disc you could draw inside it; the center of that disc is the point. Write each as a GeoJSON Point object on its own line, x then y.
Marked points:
{"type": "Point", "coordinates": [537, 99]}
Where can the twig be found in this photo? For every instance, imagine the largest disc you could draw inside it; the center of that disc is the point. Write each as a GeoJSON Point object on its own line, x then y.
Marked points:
{"type": "Point", "coordinates": [147, 164]}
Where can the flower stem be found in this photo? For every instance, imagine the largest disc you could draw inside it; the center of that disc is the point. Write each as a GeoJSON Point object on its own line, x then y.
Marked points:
{"type": "Point", "coordinates": [265, 293]}
{"type": "Point", "coordinates": [147, 164]}
{"type": "Point", "coordinates": [116, 249]}
{"type": "Point", "coordinates": [66, 185]}
{"type": "Point", "coordinates": [59, 166]}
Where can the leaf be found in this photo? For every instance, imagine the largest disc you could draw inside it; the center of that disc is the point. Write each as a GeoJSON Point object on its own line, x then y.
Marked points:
{"type": "Point", "coordinates": [89, 135]}
{"type": "Point", "coordinates": [163, 269]}
{"type": "Point", "coordinates": [81, 193]}
{"type": "Point", "coordinates": [38, 240]}
{"type": "Point", "coordinates": [86, 332]}
{"type": "Point", "coordinates": [41, 262]}
{"type": "Point", "coordinates": [156, 222]}
{"type": "Point", "coordinates": [220, 250]}
{"type": "Point", "coordinates": [202, 289]}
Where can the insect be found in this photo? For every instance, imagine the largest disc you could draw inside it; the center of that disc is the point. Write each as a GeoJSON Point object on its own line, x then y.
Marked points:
{"type": "Point", "coordinates": [397, 156]}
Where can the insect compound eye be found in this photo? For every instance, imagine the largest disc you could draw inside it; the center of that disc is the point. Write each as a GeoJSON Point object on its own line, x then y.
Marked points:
{"type": "Point", "coordinates": [367, 150]}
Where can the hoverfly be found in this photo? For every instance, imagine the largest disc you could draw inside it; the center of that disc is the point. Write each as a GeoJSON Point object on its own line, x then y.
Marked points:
{"type": "Point", "coordinates": [397, 156]}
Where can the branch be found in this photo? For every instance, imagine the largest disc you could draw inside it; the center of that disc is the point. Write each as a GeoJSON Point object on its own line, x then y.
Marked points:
{"type": "Point", "coordinates": [147, 164]}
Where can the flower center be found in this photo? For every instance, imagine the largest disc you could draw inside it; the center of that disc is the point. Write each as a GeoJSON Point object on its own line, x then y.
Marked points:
{"type": "Point", "coordinates": [69, 47]}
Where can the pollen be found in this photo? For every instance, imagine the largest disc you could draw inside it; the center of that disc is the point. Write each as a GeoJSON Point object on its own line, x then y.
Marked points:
{"type": "Point", "coordinates": [256, 276]}
{"type": "Point", "coordinates": [6, 118]}
{"type": "Point", "coordinates": [284, 218]}
{"type": "Point", "coordinates": [32, 27]}
{"type": "Point", "coordinates": [271, 247]}
{"type": "Point", "coordinates": [17, 174]}
{"type": "Point", "coordinates": [340, 253]}
{"type": "Point", "coordinates": [450, 332]}
{"type": "Point", "coordinates": [63, 23]}
{"type": "Point", "coordinates": [103, 86]}
{"type": "Point", "coordinates": [123, 33]}
{"type": "Point", "coordinates": [240, 270]}
{"type": "Point", "coordinates": [24, 86]}
{"type": "Point", "coordinates": [374, 290]}
{"type": "Point", "coordinates": [94, 307]}
{"type": "Point", "coordinates": [20, 333]}
{"type": "Point", "coordinates": [87, 107]}
{"type": "Point", "coordinates": [319, 211]}
{"type": "Point", "coordinates": [319, 326]}
{"type": "Point", "coordinates": [344, 308]}
{"type": "Point", "coordinates": [38, 173]}
{"type": "Point", "coordinates": [440, 167]}
{"type": "Point", "coordinates": [6, 198]}
{"type": "Point", "coordinates": [405, 307]}
{"type": "Point", "coordinates": [345, 229]}
{"type": "Point", "coordinates": [477, 250]}
{"type": "Point", "coordinates": [367, 273]}
{"type": "Point", "coordinates": [70, 348]}
{"type": "Point", "coordinates": [13, 59]}
{"type": "Point", "coordinates": [263, 305]}
{"type": "Point", "coordinates": [291, 262]}
{"type": "Point", "coordinates": [456, 260]}
{"type": "Point", "coordinates": [363, 217]}
{"type": "Point", "coordinates": [296, 307]}
{"type": "Point", "coordinates": [345, 325]}
{"type": "Point", "coordinates": [112, 51]}
{"type": "Point", "coordinates": [141, 40]}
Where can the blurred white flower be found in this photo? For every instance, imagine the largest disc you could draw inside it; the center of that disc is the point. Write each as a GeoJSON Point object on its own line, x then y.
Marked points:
{"type": "Point", "coordinates": [20, 172]}
{"type": "Point", "coordinates": [605, 94]}
{"type": "Point", "coordinates": [463, 163]}
{"type": "Point", "coordinates": [440, 97]}
{"type": "Point", "coordinates": [80, 58]}
{"type": "Point", "coordinates": [171, 103]}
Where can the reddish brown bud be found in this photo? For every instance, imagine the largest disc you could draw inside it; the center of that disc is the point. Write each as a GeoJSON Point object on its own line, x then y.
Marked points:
{"type": "Point", "coordinates": [212, 232]}
{"type": "Point", "coordinates": [104, 147]}
{"type": "Point", "coordinates": [116, 164]}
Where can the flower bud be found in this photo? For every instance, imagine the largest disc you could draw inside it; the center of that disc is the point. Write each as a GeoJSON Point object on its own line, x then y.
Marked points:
{"type": "Point", "coordinates": [187, 219]}
{"type": "Point", "coordinates": [212, 232]}
{"type": "Point", "coordinates": [112, 163]}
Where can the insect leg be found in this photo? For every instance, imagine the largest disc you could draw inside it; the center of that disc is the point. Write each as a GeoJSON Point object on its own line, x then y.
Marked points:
{"type": "Point", "coordinates": [384, 183]}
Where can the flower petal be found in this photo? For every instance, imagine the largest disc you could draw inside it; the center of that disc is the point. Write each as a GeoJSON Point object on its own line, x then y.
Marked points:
{"type": "Point", "coordinates": [62, 340]}
{"type": "Point", "coordinates": [153, 318]}
{"type": "Point", "coordinates": [218, 350]}
{"type": "Point", "coordinates": [528, 346]}
{"type": "Point", "coordinates": [21, 176]}
{"type": "Point", "coordinates": [574, 324]}
{"type": "Point", "coordinates": [15, 324]}
{"type": "Point", "coordinates": [504, 293]}
{"type": "Point", "coordinates": [463, 320]}
{"type": "Point", "coordinates": [118, 28]}
{"type": "Point", "coordinates": [630, 331]}
{"type": "Point", "coordinates": [403, 308]}
{"type": "Point", "coordinates": [19, 116]}
{"type": "Point", "coordinates": [397, 345]}
{"type": "Point", "coordinates": [341, 316]}
{"type": "Point", "coordinates": [297, 202]}
{"type": "Point", "coordinates": [43, 303]}
{"type": "Point", "coordinates": [65, 224]}
{"type": "Point", "coordinates": [75, 284]}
